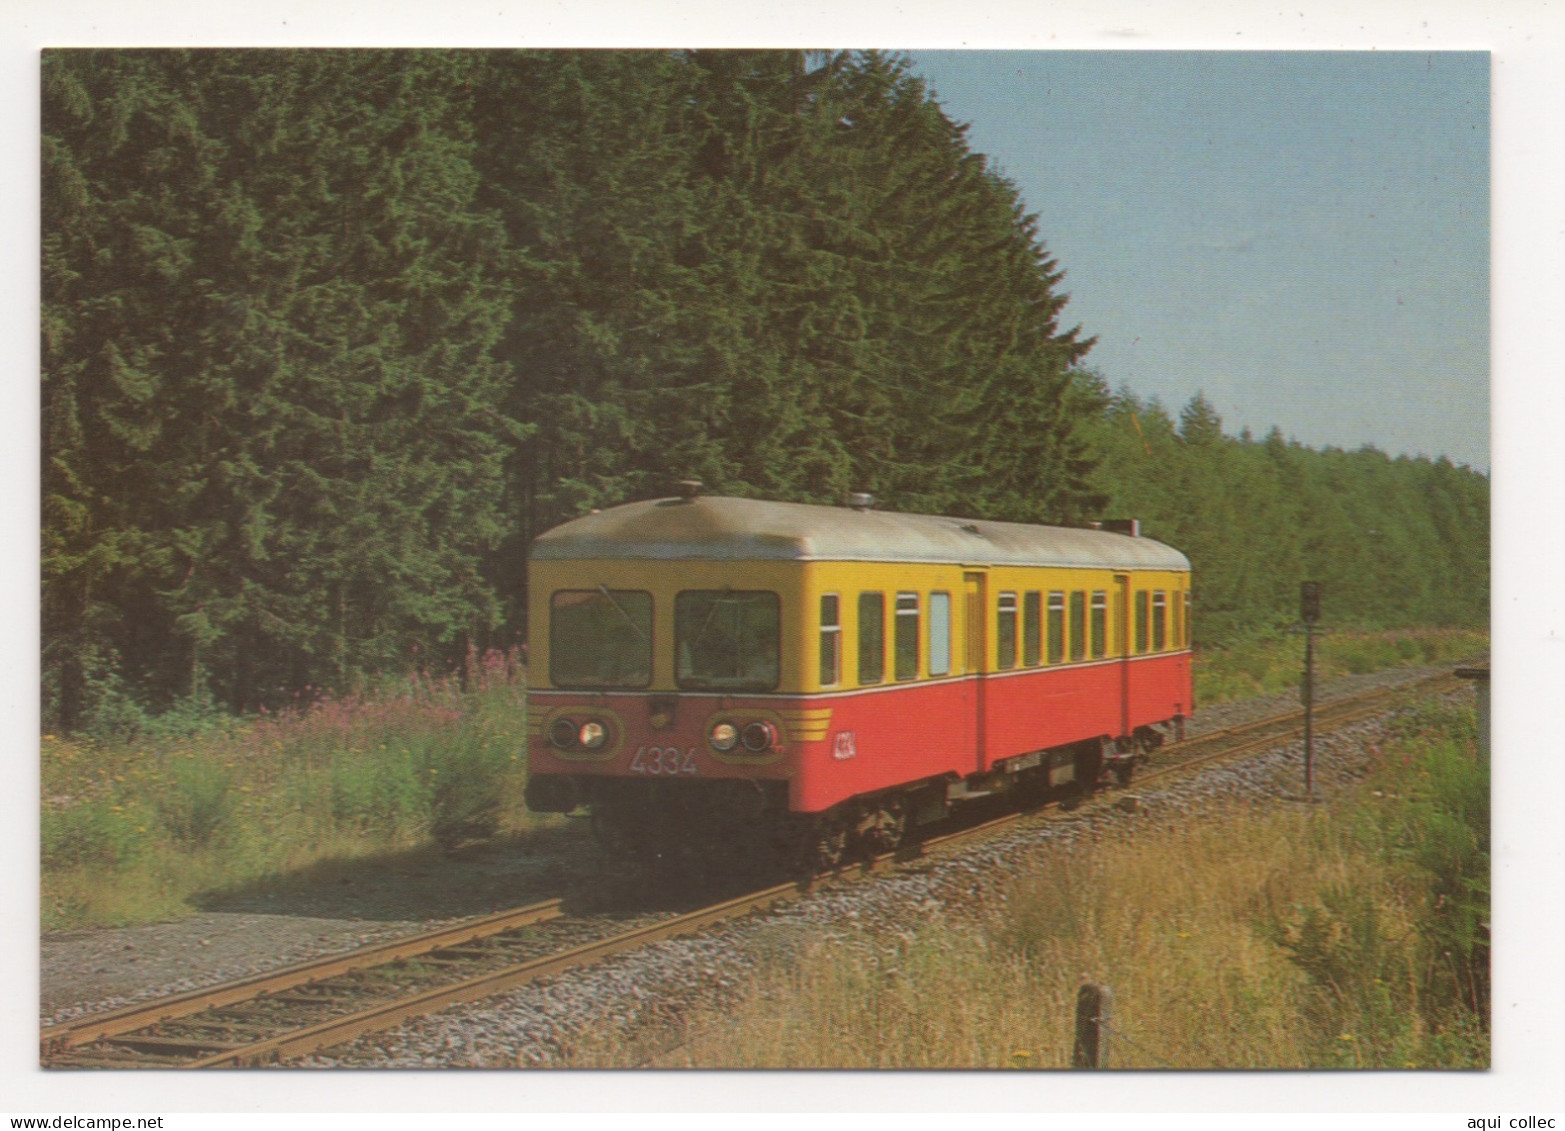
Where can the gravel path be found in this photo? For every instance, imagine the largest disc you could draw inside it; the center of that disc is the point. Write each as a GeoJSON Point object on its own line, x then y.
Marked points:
{"type": "Point", "coordinates": [334, 909]}
{"type": "Point", "coordinates": [639, 1000]}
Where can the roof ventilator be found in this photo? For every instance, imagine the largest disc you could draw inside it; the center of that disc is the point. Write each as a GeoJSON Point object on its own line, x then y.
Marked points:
{"type": "Point", "coordinates": [689, 489]}
{"type": "Point", "coordinates": [860, 500]}
{"type": "Point", "coordinates": [1131, 526]}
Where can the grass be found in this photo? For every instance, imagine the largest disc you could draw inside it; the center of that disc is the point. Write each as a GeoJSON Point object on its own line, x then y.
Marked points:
{"type": "Point", "coordinates": [137, 823]}
{"type": "Point", "coordinates": [1349, 935]}
{"type": "Point", "coordinates": [132, 830]}
{"type": "Point", "coordinates": [1268, 665]}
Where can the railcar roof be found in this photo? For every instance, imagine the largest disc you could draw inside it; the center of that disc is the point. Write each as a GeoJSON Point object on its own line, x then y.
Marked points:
{"type": "Point", "coordinates": [724, 529]}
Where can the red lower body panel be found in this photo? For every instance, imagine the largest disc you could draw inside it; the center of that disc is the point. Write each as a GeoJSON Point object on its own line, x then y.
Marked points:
{"type": "Point", "coordinates": [831, 747]}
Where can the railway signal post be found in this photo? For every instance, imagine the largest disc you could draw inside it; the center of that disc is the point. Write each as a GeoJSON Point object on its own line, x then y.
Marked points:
{"type": "Point", "coordinates": [1309, 613]}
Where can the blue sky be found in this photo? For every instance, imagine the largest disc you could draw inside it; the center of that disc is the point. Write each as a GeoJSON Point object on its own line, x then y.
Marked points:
{"type": "Point", "coordinates": [1303, 236]}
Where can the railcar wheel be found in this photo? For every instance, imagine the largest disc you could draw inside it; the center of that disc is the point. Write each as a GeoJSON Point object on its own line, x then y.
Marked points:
{"type": "Point", "coordinates": [1089, 767]}
{"type": "Point", "coordinates": [881, 828]}
{"type": "Point", "coordinates": [1123, 769]}
{"type": "Point", "coordinates": [828, 847]}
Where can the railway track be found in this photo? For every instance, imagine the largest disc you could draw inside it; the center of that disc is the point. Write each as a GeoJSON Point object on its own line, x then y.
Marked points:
{"type": "Point", "coordinates": [299, 1009]}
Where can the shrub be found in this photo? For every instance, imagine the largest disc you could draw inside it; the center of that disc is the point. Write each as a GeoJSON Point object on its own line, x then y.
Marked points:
{"type": "Point", "coordinates": [469, 786]}
{"type": "Point", "coordinates": [1418, 991]}
{"type": "Point", "coordinates": [380, 790]}
{"type": "Point", "coordinates": [137, 823]}
{"type": "Point", "coordinates": [1443, 830]}
{"type": "Point", "coordinates": [194, 801]}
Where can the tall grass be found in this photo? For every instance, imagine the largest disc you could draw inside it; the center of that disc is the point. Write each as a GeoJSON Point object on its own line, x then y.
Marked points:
{"type": "Point", "coordinates": [1268, 665]}
{"type": "Point", "coordinates": [133, 828]}
{"type": "Point", "coordinates": [1351, 935]}
{"type": "Point", "coordinates": [140, 818]}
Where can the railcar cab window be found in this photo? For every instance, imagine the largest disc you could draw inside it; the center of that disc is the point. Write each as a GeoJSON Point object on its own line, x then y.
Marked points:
{"type": "Point", "coordinates": [600, 638]}
{"type": "Point", "coordinates": [1100, 623]}
{"type": "Point", "coordinates": [1032, 629]}
{"type": "Point", "coordinates": [727, 639]}
{"type": "Point", "coordinates": [1159, 620]}
{"type": "Point", "coordinates": [1187, 618]}
{"type": "Point", "coordinates": [907, 636]}
{"type": "Point", "coordinates": [872, 637]}
{"type": "Point", "coordinates": [1005, 637]}
{"type": "Point", "coordinates": [1078, 635]}
{"type": "Point", "coordinates": [1056, 626]}
{"type": "Point", "coordinates": [939, 634]}
{"type": "Point", "coordinates": [831, 640]}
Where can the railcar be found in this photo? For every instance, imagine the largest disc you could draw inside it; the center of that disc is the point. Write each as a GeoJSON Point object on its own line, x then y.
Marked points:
{"type": "Point", "coordinates": [741, 675]}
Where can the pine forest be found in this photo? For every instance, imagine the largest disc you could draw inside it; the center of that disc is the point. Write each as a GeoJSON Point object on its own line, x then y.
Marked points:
{"type": "Point", "coordinates": [329, 336]}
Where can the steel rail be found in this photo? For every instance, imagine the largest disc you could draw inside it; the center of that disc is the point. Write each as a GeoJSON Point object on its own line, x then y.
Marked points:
{"type": "Point", "coordinates": [128, 1019]}
{"type": "Point", "coordinates": [335, 1031]}
{"type": "Point", "coordinates": [339, 1030]}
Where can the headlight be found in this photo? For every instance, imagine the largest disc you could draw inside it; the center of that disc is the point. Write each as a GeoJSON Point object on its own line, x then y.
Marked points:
{"type": "Point", "coordinates": [562, 733]}
{"type": "Point", "coordinates": [593, 735]}
{"type": "Point", "coordinates": [758, 737]}
{"type": "Point", "coordinates": [725, 736]}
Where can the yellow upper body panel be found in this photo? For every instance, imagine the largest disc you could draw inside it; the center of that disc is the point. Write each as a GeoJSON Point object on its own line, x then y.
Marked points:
{"type": "Point", "coordinates": [976, 601]}
{"type": "Point", "coordinates": [832, 599]}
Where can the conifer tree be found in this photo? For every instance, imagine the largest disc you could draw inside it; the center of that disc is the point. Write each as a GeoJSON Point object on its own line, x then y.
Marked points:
{"type": "Point", "coordinates": [272, 440]}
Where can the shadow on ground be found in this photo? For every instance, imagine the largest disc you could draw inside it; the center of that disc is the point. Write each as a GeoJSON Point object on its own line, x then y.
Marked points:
{"type": "Point", "coordinates": [425, 882]}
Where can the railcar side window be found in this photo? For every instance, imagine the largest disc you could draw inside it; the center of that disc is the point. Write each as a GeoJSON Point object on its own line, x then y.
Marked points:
{"type": "Point", "coordinates": [1056, 626]}
{"type": "Point", "coordinates": [1159, 620]}
{"type": "Point", "coordinates": [1032, 629]}
{"type": "Point", "coordinates": [1141, 619]}
{"type": "Point", "coordinates": [939, 633]}
{"type": "Point", "coordinates": [1100, 623]}
{"type": "Point", "coordinates": [1005, 635]}
{"type": "Point", "coordinates": [831, 640]}
{"type": "Point", "coordinates": [727, 639]}
{"type": "Point", "coordinates": [872, 637]}
{"type": "Point", "coordinates": [907, 636]}
{"type": "Point", "coordinates": [600, 638]}
{"type": "Point", "coordinates": [1175, 632]}
{"type": "Point", "coordinates": [1078, 634]}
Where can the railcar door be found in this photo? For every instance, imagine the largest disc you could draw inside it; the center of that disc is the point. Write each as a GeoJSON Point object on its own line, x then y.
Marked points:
{"type": "Point", "coordinates": [1122, 644]}
{"type": "Point", "coordinates": [975, 658]}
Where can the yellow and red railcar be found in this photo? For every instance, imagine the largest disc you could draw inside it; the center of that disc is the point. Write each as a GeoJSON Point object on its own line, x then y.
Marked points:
{"type": "Point", "coordinates": [718, 667]}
